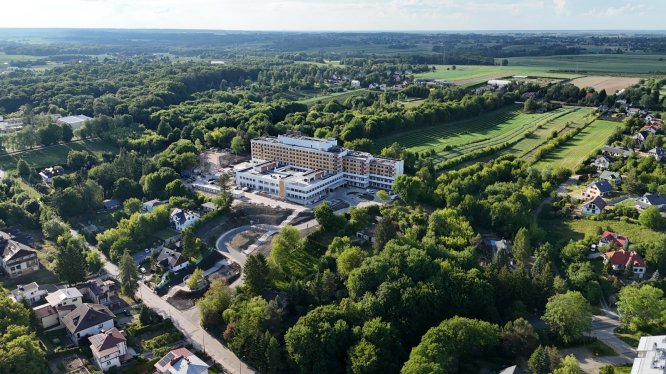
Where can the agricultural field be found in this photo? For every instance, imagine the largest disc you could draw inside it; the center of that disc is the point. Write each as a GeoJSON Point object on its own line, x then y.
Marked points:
{"type": "Point", "coordinates": [596, 63]}
{"type": "Point", "coordinates": [340, 96]}
{"type": "Point", "coordinates": [55, 155]}
{"type": "Point", "coordinates": [601, 82]}
{"type": "Point", "coordinates": [491, 129]}
{"type": "Point", "coordinates": [572, 153]}
{"type": "Point", "coordinates": [467, 75]}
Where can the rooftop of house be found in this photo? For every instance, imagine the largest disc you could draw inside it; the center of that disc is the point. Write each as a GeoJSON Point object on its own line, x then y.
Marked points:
{"type": "Point", "coordinates": [86, 316]}
{"type": "Point", "coordinates": [616, 238]}
{"type": "Point", "coordinates": [154, 202]}
{"type": "Point", "coordinates": [11, 249]}
{"type": "Point", "coordinates": [106, 342]}
{"type": "Point", "coordinates": [181, 361]}
{"type": "Point", "coordinates": [111, 203]}
{"type": "Point", "coordinates": [598, 201]}
{"type": "Point", "coordinates": [61, 295]}
{"type": "Point", "coordinates": [626, 258]}
{"type": "Point", "coordinates": [181, 216]}
{"type": "Point", "coordinates": [607, 174]}
{"type": "Point", "coordinates": [652, 199]}
{"type": "Point", "coordinates": [170, 258]}
{"type": "Point", "coordinates": [652, 355]}
{"type": "Point", "coordinates": [44, 311]}
{"type": "Point", "coordinates": [602, 186]}
{"type": "Point", "coordinates": [74, 119]}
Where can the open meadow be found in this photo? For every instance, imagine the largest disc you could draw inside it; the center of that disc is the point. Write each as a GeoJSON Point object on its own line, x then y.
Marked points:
{"type": "Point", "coordinates": [601, 82]}
{"type": "Point", "coordinates": [56, 154]}
{"type": "Point", "coordinates": [469, 75]}
{"type": "Point", "coordinates": [621, 64]}
{"type": "Point", "coordinates": [580, 147]}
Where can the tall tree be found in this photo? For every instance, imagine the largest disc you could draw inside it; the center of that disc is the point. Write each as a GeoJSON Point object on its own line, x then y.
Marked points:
{"type": "Point", "coordinates": [544, 360]}
{"type": "Point", "coordinates": [70, 261]}
{"type": "Point", "coordinates": [522, 250]}
{"type": "Point", "coordinates": [569, 315]}
{"type": "Point", "coordinates": [216, 300]}
{"type": "Point", "coordinates": [129, 275]}
{"type": "Point", "coordinates": [640, 306]}
{"type": "Point", "coordinates": [256, 274]}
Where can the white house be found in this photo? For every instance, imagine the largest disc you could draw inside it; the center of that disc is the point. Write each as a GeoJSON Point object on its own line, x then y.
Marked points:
{"type": "Point", "coordinates": [16, 258]}
{"type": "Point", "coordinates": [48, 173]}
{"type": "Point", "coordinates": [181, 219]}
{"type": "Point", "coordinates": [601, 163]}
{"type": "Point", "coordinates": [622, 259]}
{"type": "Point", "coordinates": [31, 292]}
{"type": "Point", "coordinates": [181, 361]}
{"type": "Point", "coordinates": [87, 320]}
{"type": "Point", "coordinates": [612, 177]}
{"type": "Point", "coordinates": [172, 260]}
{"type": "Point", "coordinates": [355, 83]}
{"type": "Point", "coordinates": [651, 199]}
{"type": "Point", "coordinates": [658, 153]}
{"type": "Point", "coordinates": [598, 188]}
{"type": "Point", "coordinates": [109, 348]}
{"type": "Point", "coordinates": [594, 206]}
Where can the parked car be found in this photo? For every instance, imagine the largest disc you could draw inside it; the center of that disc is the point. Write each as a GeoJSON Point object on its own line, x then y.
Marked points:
{"type": "Point", "coordinates": [370, 190]}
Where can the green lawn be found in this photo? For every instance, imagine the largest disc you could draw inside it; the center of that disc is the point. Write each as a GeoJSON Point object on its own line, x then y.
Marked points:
{"type": "Point", "coordinates": [572, 153]}
{"type": "Point", "coordinates": [55, 155]}
{"type": "Point", "coordinates": [475, 74]}
{"type": "Point", "coordinates": [339, 96]}
{"type": "Point", "coordinates": [563, 231]}
{"type": "Point", "coordinates": [508, 125]}
{"type": "Point", "coordinates": [626, 64]}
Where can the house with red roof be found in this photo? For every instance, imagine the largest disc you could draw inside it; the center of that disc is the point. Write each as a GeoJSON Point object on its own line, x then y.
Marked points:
{"type": "Point", "coordinates": [622, 259]}
{"type": "Point", "coordinates": [613, 240]}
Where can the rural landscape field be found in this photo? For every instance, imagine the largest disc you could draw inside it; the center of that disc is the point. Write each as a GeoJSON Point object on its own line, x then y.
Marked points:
{"type": "Point", "coordinates": [317, 187]}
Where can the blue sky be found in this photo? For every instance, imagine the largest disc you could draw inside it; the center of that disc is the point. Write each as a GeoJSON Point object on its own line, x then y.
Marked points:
{"type": "Point", "coordinates": [339, 15]}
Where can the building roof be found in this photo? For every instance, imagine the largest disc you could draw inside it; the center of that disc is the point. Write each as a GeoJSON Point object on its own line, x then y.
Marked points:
{"type": "Point", "coordinates": [209, 205]}
{"type": "Point", "coordinates": [111, 204]}
{"type": "Point", "coordinates": [659, 151]}
{"type": "Point", "coordinates": [170, 258]}
{"type": "Point", "coordinates": [181, 216]}
{"type": "Point", "coordinates": [74, 119]}
{"type": "Point", "coordinates": [61, 295]}
{"type": "Point", "coordinates": [44, 311]}
{"type": "Point", "coordinates": [651, 355]}
{"type": "Point", "coordinates": [617, 239]}
{"type": "Point", "coordinates": [598, 201]}
{"type": "Point", "coordinates": [512, 370]}
{"type": "Point", "coordinates": [154, 202]}
{"type": "Point", "coordinates": [649, 199]}
{"type": "Point", "coordinates": [181, 361]}
{"type": "Point", "coordinates": [11, 249]}
{"type": "Point", "coordinates": [625, 258]}
{"type": "Point", "coordinates": [86, 316]}
{"type": "Point", "coordinates": [617, 150]}
{"type": "Point", "coordinates": [612, 175]}
{"type": "Point", "coordinates": [106, 342]}
{"type": "Point", "coordinates": [602, 186]}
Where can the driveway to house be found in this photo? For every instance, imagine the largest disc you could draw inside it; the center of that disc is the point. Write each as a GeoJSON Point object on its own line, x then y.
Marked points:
{"type": "Point", "coordinates": [561, 191]}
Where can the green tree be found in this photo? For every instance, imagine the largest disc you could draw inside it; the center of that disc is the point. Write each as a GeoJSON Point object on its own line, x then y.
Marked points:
{"type": "Point", "coordinates": [286, 241]}
{"type": "Point", "coordinates": [12, 313]}
{"type": "Point", "coordinates": [21, 351]}
{"type": "Point", "coordinates": [327, 218]}
{"type": "Point", "coordinates": [94, 260]}
{"type": "Point", "coordinates": [651, 218]}
{"type": "Point", "coordinates": [129, 275]}
{"type": "Point", "coordinates": [350, 259]}
{"type": "Point", "coordinates": [237, 145]}
{"type": "Point", "coordinates": [522, 249]}
{"type": "Point", "coordinates": [655, 254]}
{"type": "Point", "coordinates": [70, 261]}
{"type": "Point", "coordinates": [192, 246]}
{"type": "Point", "coordinates": [444, 346]}
{"type": "Point", "coordinates": [384, 231]}
{"type": "Point", "coordinates": [132, 205]}
{"type": "Point", "coordinates": [23, 169]}
{"type": "Point", "coordinates": [383, 196]}
{"type": "Point", "coordinates": [49, 134]}
{"type": "Point", "coordinates": [256, 274]}
{"type": "Point", "coordinates": [67, 133]}
{"type": "Point", "coordinates": [569, 365]}
{"type": "Point", "coordinates": [569, 316]}
{"type": "Point", "coordinates": [216, 300]}
{"type": "Point", "coordinates": [518, 338]}
{"type": "Point", "coordinates": [544, 360]}
{"type": "Point", "coordinates": [125, 188]}
{"type": "Point", "coordinates": [640, 306]}
{"type": "Point", "coordinates": [195, 279]}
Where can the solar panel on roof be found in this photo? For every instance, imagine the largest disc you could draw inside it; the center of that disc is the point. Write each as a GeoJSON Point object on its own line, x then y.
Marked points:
{"type": "Point", "coordinates": [166, 359]}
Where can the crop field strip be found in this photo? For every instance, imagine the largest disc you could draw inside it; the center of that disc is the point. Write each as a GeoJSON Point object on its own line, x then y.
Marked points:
{"type": "Point", "coordinates": [581, 146]}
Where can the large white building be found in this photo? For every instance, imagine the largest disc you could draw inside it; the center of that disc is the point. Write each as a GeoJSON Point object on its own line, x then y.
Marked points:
{"type": "Point", "coordinates": [304, 169]}
{"type": "Point", "coordinates": [651, 356]}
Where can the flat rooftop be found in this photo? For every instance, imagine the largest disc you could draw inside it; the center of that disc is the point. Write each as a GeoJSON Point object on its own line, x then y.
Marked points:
{"type": "Point", "coordinates": [651, 356]}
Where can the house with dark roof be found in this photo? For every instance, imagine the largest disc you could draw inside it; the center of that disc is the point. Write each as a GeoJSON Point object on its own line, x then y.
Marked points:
{"type": "Point", "coordinates": [47, 316]}
{"type": "Point", "coordinates": [111, 204]}
{"type": "Point", "coordinates": [172, 260]}
{"type": "Point", "coordinates": [48, 173]}
{"type": "Point", "coordinates": [612, 177]}
{"type": "Point", "coordinates": [16, 258]}
{"type": "Point", "coordinates": [616, 151]}
{"type": "Point", "coordinates": [601, 163]}
{"type": "Point", "coordinates": [181, 218]}
{"type": "Point", "coordinates": [651, 199]}
{"type": "Point", "coordinates": [87, 320]}
{"type": "Point", "coordinates": [598, 188]}
{"type": "Point", "coordinates": [102, 292]}
{"type": "Point", "coordinates": [641, 136]}
{"type": "Point", "coordinates": [613, 240]}
{"type": "Point", "coordinates": [109, 348]}
{"type": "Point", "coordinates": [658, 153]}
{"type": "Point", "coordinates": [623, 259]}
{"type": "Point", "coordinates": [208, 207]}
{"type": "Point", "coordinates": [181, 361]}
{"type": "Point", "coordinates": [148, 206]}
{"type": "Point", "coordinates": [594, 206]}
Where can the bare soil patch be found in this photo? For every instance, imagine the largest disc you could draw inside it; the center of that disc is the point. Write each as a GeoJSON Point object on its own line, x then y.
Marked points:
{"type": "Point", "coordinates": [600, 82]}
{"type": "Point", "coordinates": [243, 240]}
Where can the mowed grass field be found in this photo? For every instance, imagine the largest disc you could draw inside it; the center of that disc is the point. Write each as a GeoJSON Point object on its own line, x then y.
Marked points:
{"type": "Point", "coordinates": [55, 155]}
{"type": "Point", "coordinates": [508, 125]}
{"type": "Point", "coordinates": [339, 96]}
{"type": "Point", "coordinates": [465, 75]}
{"type": "Point", "coordinates": [572, 153]}
{"type": "Point", "coordinates": [625, 64]}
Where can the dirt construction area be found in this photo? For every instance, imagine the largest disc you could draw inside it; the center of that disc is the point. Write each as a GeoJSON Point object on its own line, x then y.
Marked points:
{"type": "Point", "coordinates": [610, 84]}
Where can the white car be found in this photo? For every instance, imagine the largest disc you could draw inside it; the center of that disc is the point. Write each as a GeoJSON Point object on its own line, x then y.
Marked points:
{"type": "Point", "coordinates": [370, 190]}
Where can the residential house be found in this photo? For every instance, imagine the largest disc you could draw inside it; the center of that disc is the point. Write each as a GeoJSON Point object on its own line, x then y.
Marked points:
{"type": "Point", "coordinates": [658, 153]}
{"type": "Point", "coordinates": [633, 111]}
{"type": "Point", "coordinates": [651, 354]}
{"type": "Point", "coordinates": [181, 361]}
{"type": "Point", "coordinates": [87, 320]}
{"type": "Point", "coordinates": [47, 316]}
{"type": "Point", "coordinates": [367, 235]}
{"type": "Point", "coordinates": [31, 292]}
{"type": "Point", "coordinates": [594, 206]}
{"type": "Point", "coordinates": [16, 258]}
{"type": "Point", "coordinates": [65, 301]}
{"type": "Point", "coordinates": [148, 206]}
{"type": "Point", "coordinates": [598, 188]}
{"type": "Point", "coordinates": [640, 137]}
{"type": "Point", "coordinates": [512, 370]}
{"type": "Point", "coordinates": [612, 177]}
{"type": "Point", "coordinates": [208, 207]}
{"type": "Point", "coordinates": [623, 259]}
{"type": "Point", "coordinates": [355, 83]}
{"type": "Point", "coordinates": [111, 204]}
{"type": "Point", "coordinates": [651, 199]}
{"type": "Point", "coordinates": [601, 163]}
{"type": "Point", "coordinates": [181, 218]}
{"type": "Point", "coordinates": [74, 122]}
{"type": "Point", "coordinates": [613, 240]}
{"type": "Point", "coordinates": [172, 260]}
{"type": "Point", "coordinates": [102, 292]}
{"type": "Point", "coordinates": [48, 173]}
{"type": "Point", "coordinates": [498, 245]}
{"type": "Point", "coordinates": [616, 151]}
{"type": "Point", "coordinates": [109, 348]}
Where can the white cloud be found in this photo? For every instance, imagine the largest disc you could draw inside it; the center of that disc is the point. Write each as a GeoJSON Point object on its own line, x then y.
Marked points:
{"type": "Point", "coordinates": [560, 7]}
{"type": "Point", "coordinates": [624, 9]}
